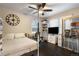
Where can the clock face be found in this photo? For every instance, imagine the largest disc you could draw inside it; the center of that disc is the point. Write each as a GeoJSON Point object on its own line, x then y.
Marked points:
{"type": "Point", "coordinates": [12, 19]}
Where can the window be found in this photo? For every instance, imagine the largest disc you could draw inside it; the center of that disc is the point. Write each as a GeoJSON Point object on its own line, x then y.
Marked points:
{"type": "Point", "coordinates": [34, 25]}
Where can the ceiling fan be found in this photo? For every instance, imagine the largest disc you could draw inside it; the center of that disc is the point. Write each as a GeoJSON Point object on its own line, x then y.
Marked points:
{"type": "Point", "coordinates": [40, 7]}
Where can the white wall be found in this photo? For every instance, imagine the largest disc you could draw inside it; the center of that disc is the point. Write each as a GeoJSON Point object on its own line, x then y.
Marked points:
{"type": "Point", "coordinates": [25, 25]}
{"type": "Point", "coordinates": [54, 23]}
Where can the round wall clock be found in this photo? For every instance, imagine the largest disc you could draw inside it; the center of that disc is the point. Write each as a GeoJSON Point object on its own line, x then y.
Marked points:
{"type": "Point", "coordinates": [12, 19]}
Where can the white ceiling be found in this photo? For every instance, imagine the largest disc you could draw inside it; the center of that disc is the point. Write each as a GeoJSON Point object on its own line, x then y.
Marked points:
{"type": "Point", "coordinates": [23, 7]}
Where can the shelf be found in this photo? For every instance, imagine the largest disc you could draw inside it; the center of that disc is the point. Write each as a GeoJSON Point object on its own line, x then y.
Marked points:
{"type": "Point", "coordinates": [44, 20]}
{"type": "Point", "coordinates": [44, 29]}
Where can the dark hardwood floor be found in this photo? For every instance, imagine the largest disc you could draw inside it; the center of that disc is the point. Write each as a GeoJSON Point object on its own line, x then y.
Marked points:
{"type": "Point", "coordinates": [48, 49]}
{"type": "Point", "coordinates": [32, 53]}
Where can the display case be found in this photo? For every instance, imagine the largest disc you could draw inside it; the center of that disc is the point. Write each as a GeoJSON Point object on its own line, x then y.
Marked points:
{"type": "Point", "coordinates": [71, 34]}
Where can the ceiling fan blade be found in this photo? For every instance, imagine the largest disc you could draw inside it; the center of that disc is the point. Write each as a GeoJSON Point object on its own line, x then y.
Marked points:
{"type": "Point", "coordinates": [43, 5]}
{"type": "Point", "coordinates": [47, 10]}
{"type": "Point", "coordinates": [38, 6]}
{"type": "Point", "coordinates": [35, 12]}
{"type": "Point", "coordinates": [32, 7]}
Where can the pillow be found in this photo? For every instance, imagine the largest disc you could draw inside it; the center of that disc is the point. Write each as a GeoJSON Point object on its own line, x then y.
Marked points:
{"type": "Point", "coordinates": [19, 35]}
{"type": "Point", "coordinates": [26, 35]}
{"type": "Point", "coordinates": [9, 36]}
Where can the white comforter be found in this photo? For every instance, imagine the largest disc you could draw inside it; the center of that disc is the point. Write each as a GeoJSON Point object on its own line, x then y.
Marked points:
{"type": "Point", "coordinates": [19, 46]}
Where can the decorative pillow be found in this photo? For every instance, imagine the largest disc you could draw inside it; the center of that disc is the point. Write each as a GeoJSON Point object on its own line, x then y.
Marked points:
{"type": "Point", "coordinates": [26, 35]}
{"type": "Point", "coordinates": [19, 35]}
{"type": "Point", "coordinates": [9, 36]}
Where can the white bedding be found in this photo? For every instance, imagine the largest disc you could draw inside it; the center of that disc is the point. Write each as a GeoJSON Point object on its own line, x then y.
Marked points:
{"type": "Point", "coordinates": [19, 46]}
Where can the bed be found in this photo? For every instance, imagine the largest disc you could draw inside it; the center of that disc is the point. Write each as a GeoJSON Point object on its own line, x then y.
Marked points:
{"type": "Point", "coordinates": [18, 46]}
